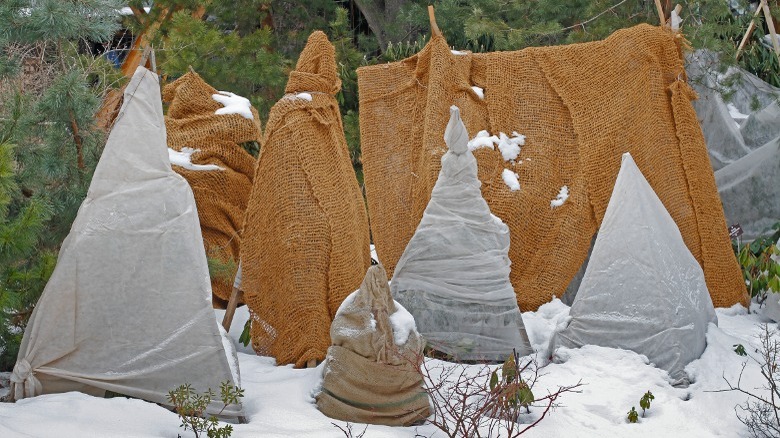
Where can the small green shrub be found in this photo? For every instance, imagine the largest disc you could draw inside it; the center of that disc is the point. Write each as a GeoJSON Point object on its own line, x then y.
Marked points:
{"type": "Point", "coordinates": [644, 402]}
{"type": "Point", "coordinates": [511, 389]}
{"type": "Point", "coordinates": [633, 415]}
{"type": "Point", "coordinates": [191, 407]}
{"type": "Point", "coordinates": [760, 270]}
{"type": "Point", "coordinates": [740, 350]}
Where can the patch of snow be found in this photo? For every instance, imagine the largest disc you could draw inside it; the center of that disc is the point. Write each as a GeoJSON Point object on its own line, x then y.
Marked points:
{"type": "Point", "coordinates": [510, 147]}
{"type": "Point", "coordinates": [304, 96]}
{"type": "Point", "coordinates": [563, 195]}
{"type": "Point", "coordinates": [483, 139]}
{"type": "Point", "coordinates": [459, 52]}
{"type": "Point", "coordinates": [183, 159]}
{"type": "Point", "coordinates": [479, 92]}
{"type": "Point", "coordinates": [233, 104]}
{"type": "Point", "coordinates": [511, 179]}
{"type": "Point", "coordinates": [403, 324]}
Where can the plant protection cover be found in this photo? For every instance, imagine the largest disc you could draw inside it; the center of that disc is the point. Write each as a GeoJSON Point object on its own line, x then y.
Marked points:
{"type": "Point", "coordinates": [643, 290]}
{"type": "Point", "coordinates": [128, 307]}
{"type": "Point", "coordinates": [454, 274]}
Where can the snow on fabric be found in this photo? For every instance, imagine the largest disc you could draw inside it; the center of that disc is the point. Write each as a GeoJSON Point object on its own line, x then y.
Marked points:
{"type": "Point", "coordinates": [371, 370]}
{"type": "Point", "coordinates": [510, 146]}
{"type": "Point", "coordinates": [128, 307]}
{"type": "Point", "coordinates": [511, 179]}
{"type": "Point", "coordinates": [454, 274]}
{"type": "Point", "coordinates": [643, 290]}
{"type": "Point", "coordinates": [563, 195]}
{"type": "Point", "coordinates": [233, 104]}
{"type": "Point", "coordinates": [183, 159]}
{"type": "Point", "coordinates": [480, 92]}
{"type": "Point", "coordinates": [483, 139]}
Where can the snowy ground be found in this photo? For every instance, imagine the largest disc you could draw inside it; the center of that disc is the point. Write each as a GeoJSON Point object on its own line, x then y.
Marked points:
{"type": "Point", "coordinates": [278, 400]}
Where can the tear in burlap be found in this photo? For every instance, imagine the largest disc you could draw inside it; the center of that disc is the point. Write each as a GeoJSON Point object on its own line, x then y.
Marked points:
{"type": "Point", "coordinates": [306, 239]}
{"type": "Point", "coordinates": [580, 107]}
{"type": "Point", "coordinates": [221, 195]}
{"type": "Point", "coordinates": [368, 377]}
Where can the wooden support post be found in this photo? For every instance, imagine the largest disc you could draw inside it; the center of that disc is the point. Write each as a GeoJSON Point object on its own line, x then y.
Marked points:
{"type": "Point", "coordinates": [432, 18]}
{"type": "Point", "coordinates": [750, 30]}
{"type": "Point", "coordinates": [771, 25]}
{"type": "Point", "coordinates": [661, 16]}
{"type": "Point", "coordinates": [235, 296]}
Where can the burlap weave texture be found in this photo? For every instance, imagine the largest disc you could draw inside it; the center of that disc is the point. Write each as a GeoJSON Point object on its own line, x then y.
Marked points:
{"type": "Point", "coordinates": [580, 107]}
{"type": "Point", "coordinates": [221, 195]}
{"type": "Point", "coordinates": [306, 238]}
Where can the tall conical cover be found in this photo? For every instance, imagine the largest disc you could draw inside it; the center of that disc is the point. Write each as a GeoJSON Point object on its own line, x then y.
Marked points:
{"type": "Point", "coordinates": [454, 274]}
{"type": "Point", "coordinates": [128, 307]}
{"type": "Point", "coordinates": [643, 290]}
{"type": "Point", "coordinates": [306, 241]}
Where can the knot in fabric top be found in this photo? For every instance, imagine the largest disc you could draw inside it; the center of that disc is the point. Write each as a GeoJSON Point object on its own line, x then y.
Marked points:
{"type": "Point", "coordinates": [455, 135]}
{"type": "Point", "coordinates": [316, 68]}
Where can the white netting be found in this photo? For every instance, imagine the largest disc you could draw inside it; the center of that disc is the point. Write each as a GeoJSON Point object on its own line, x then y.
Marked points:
{"type": "Point", "coordinates": [454, 274]}
{"type": "Point", "coordinates": [643, 290]}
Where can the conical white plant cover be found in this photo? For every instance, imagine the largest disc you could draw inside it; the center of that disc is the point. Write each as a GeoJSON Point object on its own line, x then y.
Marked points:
{"type": "Point", "coordinates": [128, 307]}
{"type": "Point", "coordinates": [454, 274]}
{"type": "Point", "coordinates": [643, 290]}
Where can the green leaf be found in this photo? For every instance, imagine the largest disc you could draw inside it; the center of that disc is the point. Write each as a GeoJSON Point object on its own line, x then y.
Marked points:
{"type": "Point", "coordinates": [245, 337]}
{"type": "Point", "coordinates": [633, 415]}
{"type": "Point", "coordinates": [493, 380]}
{"type": "Point", "coordinates": [740, 350]}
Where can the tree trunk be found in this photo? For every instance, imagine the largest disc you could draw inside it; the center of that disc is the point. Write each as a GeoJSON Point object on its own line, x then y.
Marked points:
{"type": "Point", "coordinates": [380, 14]}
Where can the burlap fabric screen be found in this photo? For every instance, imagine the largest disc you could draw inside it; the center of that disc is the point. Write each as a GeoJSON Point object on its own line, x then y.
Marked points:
{"type": "Point", "coordinates": [221, 195]}
{"type": "Point", "coordinates": [306, 239]}
{"type": "Point", "coordinates": [580, 107]}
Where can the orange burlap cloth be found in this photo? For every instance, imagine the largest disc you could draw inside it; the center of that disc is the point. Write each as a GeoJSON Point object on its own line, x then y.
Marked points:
{"type": "Point", "coordinates": [580, 107]}
{"type": "Point", "coordinates": [221, 195]}
{"type": "Point", "coordinates": [306, 238]}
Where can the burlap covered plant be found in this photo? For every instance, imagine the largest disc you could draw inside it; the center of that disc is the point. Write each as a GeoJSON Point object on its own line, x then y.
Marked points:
{"type": "Point", "coordinates": [306, 239]}
{"type": "Point", "coordinates": [371, 374]}
{"type": "Point", "coordinates": [221, 170]}
{"type": "Point", "coordinates": [578, 108]}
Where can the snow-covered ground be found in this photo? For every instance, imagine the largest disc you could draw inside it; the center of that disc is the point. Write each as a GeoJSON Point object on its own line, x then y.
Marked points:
{"type": "Point", "coordinates": [279, 402]}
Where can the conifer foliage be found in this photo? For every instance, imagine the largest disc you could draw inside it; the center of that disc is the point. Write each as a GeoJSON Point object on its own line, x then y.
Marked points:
{"type": "Point", "coordinates": [50, 88]}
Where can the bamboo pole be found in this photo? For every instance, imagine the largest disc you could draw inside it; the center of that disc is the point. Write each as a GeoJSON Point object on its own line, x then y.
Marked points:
{"type": "Point", "coordinates": [771, 25]}
{"type": "Point", "coordinates": [235, 296]}
{"type": "Point", "coordinates": [660, 9]}
{"type": "Point", "coordinates": [750, 30]}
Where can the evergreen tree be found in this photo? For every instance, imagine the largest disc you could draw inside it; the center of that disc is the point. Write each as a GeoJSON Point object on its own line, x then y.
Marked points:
{"type": "Point", "coordinates": [49, 92]}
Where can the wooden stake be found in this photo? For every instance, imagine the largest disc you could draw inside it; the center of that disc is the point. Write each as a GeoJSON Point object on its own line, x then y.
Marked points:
{"type": "Point", "coordinates": [434, 27]}
{"type": "Point", "coordinates": [771, 24]}
{"type": "Point", "coordinates": [661, 17]}
{"type": "Point", "coordinates": [235, 296]}
{"type": "Point", "coordinates": [749, 31]}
